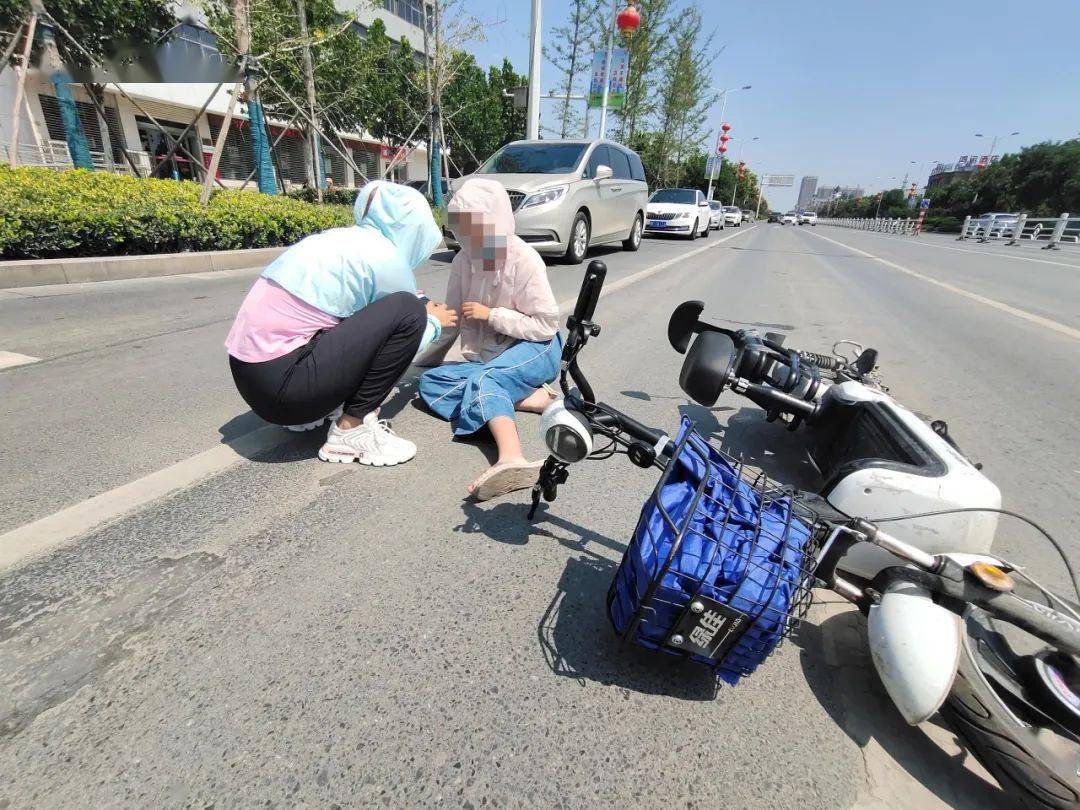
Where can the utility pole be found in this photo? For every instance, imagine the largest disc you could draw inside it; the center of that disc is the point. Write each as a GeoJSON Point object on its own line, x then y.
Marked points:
{"type": "Point", "coordinates": [532, 128]}
{"type": "Point", "coordinates": [309, 80]}
{"type": "Point", "coordinates": [607, 72]}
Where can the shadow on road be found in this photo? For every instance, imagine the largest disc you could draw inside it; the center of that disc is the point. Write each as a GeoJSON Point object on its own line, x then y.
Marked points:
{"type": "Point", "coordinates": [574, 633]}
{"type": "Point", "coordinates": [835, 659]}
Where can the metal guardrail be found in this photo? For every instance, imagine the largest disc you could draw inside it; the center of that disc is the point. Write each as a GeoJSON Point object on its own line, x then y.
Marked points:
{"type": "Point", "coordinates": [55, 155]}
{"type": "Point", "coordinates": [904, 226]}
{"type": "Point", "coordinates": [1054, 231]}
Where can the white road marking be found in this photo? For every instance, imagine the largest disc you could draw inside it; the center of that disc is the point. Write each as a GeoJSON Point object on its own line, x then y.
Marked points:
{"type": "Point", "coordinates": [13, 359]}
{"type": "Point", "coordinates": [932, 244]}
{"type": "Point", "coordinates": [1031, 317]}
{"type": "Point", "coordinates": [67, 525]}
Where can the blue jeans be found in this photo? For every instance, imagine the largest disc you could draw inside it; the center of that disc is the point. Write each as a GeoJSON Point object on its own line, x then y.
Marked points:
{"type": "Point", "coordinates": [469, 395]}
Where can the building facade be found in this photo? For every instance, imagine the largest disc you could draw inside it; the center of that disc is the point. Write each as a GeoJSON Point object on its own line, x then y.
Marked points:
{"type": "Point", "coordinates": [128, 118]}
{"type": "Point", "coordinates": [806, 192]}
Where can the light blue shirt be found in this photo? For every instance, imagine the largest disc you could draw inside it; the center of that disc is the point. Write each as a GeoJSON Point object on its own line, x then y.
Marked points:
{"type": "Point", "coordinates": [342, 270]}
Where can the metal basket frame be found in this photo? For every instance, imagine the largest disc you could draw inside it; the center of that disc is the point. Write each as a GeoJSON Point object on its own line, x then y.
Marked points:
{"type": "Point", "coordinates": [767, 493]}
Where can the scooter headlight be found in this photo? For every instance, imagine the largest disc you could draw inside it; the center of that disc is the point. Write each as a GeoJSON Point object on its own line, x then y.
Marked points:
{"type": "Point", "coordinates": [566, 433]}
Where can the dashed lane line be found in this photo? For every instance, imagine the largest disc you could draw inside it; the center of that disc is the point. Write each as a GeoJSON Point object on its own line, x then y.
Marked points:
{"type": "Point", "coordinates": [14, 359]}
{"type": "Point", "coordinates": [67, 525]}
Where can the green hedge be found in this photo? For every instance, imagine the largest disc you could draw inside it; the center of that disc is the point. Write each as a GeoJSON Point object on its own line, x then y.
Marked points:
{"type": "Point", "coordinates": [53, 214]}
{"type": "Point", "coordinates": [333, 196]}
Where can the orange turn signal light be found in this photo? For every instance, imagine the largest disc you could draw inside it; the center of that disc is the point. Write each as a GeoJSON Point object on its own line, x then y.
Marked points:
{"type": "Point", "coordinates": [992, 577]}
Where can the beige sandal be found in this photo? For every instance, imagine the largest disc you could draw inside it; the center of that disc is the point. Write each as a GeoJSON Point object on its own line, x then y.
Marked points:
{"type": "Point", "coordinates": [502, 479]}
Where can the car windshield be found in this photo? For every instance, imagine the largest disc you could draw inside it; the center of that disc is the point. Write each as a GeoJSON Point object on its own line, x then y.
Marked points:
{"type": "Point", "coordinates": [715, 206]}
{"type": "Point", "coordinates": [731, 209]}
{"type": "Point", "coordinates": [534, 158]}
{"type": "Point", "coordinates": [683, 196]}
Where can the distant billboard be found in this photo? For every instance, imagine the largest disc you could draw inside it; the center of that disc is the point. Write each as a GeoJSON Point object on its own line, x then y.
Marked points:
{"type": "Point", "coordinates": [778, 180]}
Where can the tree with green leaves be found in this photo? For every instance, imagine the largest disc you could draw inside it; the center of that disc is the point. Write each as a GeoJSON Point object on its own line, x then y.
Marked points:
{"type": "Point", "coordinates": [340, 63]}
{"type": "Point", "coordinates": [473, 118]}
{"type": "Point", "coordinates": [395, 100]}
{"type": "Point", "coordinates": [687, 98]}
{"type": "Point", "coordinates": [503, 80]}
{"type": "Point", "coordinates": [102, 28]}
{"type": "Point", "coordinates": [647, 49]}
{"type": "Point", "coordinates": [570, 50]}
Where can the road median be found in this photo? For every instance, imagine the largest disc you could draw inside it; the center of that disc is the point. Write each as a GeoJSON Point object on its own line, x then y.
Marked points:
{"type": "Point", "coordinates": [37, 272]}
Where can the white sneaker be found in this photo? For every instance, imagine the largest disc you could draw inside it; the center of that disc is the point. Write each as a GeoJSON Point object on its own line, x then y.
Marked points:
{"type": "Point", "coordinates": [372, 443]}
{"type": "Point", "coordinates": [333, 417]}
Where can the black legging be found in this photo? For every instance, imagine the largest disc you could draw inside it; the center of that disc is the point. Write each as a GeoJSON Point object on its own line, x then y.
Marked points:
{"type": "Point", "coordinates": [356, 363]}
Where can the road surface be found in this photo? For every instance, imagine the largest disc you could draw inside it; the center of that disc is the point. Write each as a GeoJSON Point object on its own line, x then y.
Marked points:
{"type": "Point", "coordinates": [194, 611]}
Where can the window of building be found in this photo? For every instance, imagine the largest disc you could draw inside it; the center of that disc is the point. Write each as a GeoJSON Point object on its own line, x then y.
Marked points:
{"type": "Point", "coordinates": [412, 11]}
{"type": "Point", "coordinates": [50, 108]}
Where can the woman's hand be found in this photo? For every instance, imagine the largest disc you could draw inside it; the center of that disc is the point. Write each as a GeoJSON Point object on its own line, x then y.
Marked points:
{"type": "Point", "coordinates": [475, 310]}
{"type": "Point", "coordinates": [445, 316]}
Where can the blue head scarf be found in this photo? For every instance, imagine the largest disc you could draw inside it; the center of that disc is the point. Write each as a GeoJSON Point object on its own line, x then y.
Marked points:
{"type": "Point", "coordinates": [342, 270]}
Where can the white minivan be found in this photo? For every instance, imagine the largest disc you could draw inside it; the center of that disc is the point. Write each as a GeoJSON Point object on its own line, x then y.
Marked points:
{"type": "Point", "coordinates": [570, 195]}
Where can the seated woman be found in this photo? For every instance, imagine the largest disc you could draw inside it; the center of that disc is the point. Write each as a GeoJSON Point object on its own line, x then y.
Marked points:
{"type": "Point", "coordinates": [509, 334]}
{"type": "Point", "coordinates": [333, 323]}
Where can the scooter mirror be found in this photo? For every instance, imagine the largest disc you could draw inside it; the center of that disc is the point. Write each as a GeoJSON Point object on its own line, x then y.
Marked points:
{"type": "Point", "coordinates": [681, 325]}
{"type": "Point", "coordinates": [707, 366]}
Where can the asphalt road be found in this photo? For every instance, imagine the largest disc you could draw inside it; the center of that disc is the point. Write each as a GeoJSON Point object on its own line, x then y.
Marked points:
{"type": "Point", "coordinates": [293, 633]}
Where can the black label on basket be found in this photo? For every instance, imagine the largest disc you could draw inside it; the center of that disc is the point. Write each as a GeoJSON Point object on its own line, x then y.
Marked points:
{"type": "Point", "coordinates": [708, 628]}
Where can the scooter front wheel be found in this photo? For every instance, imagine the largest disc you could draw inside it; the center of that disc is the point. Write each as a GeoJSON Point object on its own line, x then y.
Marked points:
{"type": "Point", "coordinates": [1029, 758]}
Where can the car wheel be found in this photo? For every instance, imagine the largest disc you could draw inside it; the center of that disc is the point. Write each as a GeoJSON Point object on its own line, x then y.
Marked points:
{"type": "Point", "coordinates": [708, 230]}
{"type": "Point", "coordinates": [695, 230]}
{"type": "Point", "coordinates": [633, 242]}
{"type": "Point", "coordinates": [579, 240]}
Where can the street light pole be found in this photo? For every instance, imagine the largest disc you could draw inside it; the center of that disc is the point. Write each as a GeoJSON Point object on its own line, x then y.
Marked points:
{"type": "Point", "coordinates": [607, 71]}
{"type": "Point", "coordinates": [723, 107]}
{"type": "Point", "coordinates": [532, 126]}
{"type": "Point", "coordinates": [993, 141]}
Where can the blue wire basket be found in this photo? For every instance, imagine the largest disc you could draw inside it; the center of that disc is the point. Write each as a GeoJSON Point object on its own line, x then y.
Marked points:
{"type": "Point", "coordinates": [721, 564]}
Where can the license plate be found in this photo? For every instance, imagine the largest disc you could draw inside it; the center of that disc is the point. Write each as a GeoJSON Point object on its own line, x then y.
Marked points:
{"type": "Point", "coordinates": [657, 223]}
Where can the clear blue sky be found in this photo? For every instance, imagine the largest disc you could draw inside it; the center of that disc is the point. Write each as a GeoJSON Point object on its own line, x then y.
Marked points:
{"type": "Point", "coordinates": [852, 90]}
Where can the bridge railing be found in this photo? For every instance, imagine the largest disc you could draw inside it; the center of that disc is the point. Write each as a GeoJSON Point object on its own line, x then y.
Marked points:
{"type": "Point", "coordinates": [1052, 232]}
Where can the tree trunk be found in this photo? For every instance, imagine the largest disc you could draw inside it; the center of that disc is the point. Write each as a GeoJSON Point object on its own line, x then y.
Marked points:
{"type": "Point", "coordinates": [315, 175]}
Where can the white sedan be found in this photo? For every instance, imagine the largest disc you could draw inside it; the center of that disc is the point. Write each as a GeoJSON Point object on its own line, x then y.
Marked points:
{"type": "Point", "coordinates": [790, 218]}
{"type": "Point", "coordinates": [682, 211]}
{"type": "Point", "coordinates": [716, 220]}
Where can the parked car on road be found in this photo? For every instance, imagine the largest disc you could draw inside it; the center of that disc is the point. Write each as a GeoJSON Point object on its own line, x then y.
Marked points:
{"type": "Point", "coordinates": [716, 216]}
{"type": "Point", "coordinates": [683, 211]}
{"type": "Point", "coordinates": [732, 215]}
{"type": "Point", "coordinates": [748, 215]}
{"type": "Point", "coordinates": [423, 185]}
{"type": "Point", "coordinates": [996, 225]}
{"type": "Point", "coordinates": [790, 218]}
{"type": "Point", "coordinates": [570, 195]}
{"type": "Point", "coordinates": [774, 216]}
{"type": "Point", "coordinates": [808, 218]}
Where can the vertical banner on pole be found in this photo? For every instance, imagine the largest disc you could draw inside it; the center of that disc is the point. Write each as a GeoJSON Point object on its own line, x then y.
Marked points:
{"type": "Point", "coordinates": [596, 82]}
{"type": "Point", "coordinates": [620, 71]}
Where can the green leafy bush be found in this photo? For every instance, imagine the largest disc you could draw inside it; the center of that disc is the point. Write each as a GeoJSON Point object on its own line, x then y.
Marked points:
{"type": "Point", "coordinates": [332, 196]}
{"type": "Point", "coordinates": [55, 214]}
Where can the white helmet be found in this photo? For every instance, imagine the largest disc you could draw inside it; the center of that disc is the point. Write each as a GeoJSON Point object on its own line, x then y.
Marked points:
{"type": "Point", "coordinates": [565, 432]}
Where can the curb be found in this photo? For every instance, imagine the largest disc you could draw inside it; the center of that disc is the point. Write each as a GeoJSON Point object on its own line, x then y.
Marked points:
{"type": "Point", "coordinates": [36, 272]}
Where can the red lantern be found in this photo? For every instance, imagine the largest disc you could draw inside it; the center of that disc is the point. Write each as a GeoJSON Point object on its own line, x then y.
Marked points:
{"type": "Point", "coordinates": [725, 138]}
{"type": "Point", "coordinates": [723, 148]}
{"type": "Point", "coordinates": [725, 127]}
{"type": "Point", "coordinates": [629, 19]}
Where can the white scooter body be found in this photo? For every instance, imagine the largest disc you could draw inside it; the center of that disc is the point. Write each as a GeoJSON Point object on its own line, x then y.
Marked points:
{"type": "Point", "coordinates": [879, 491]}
